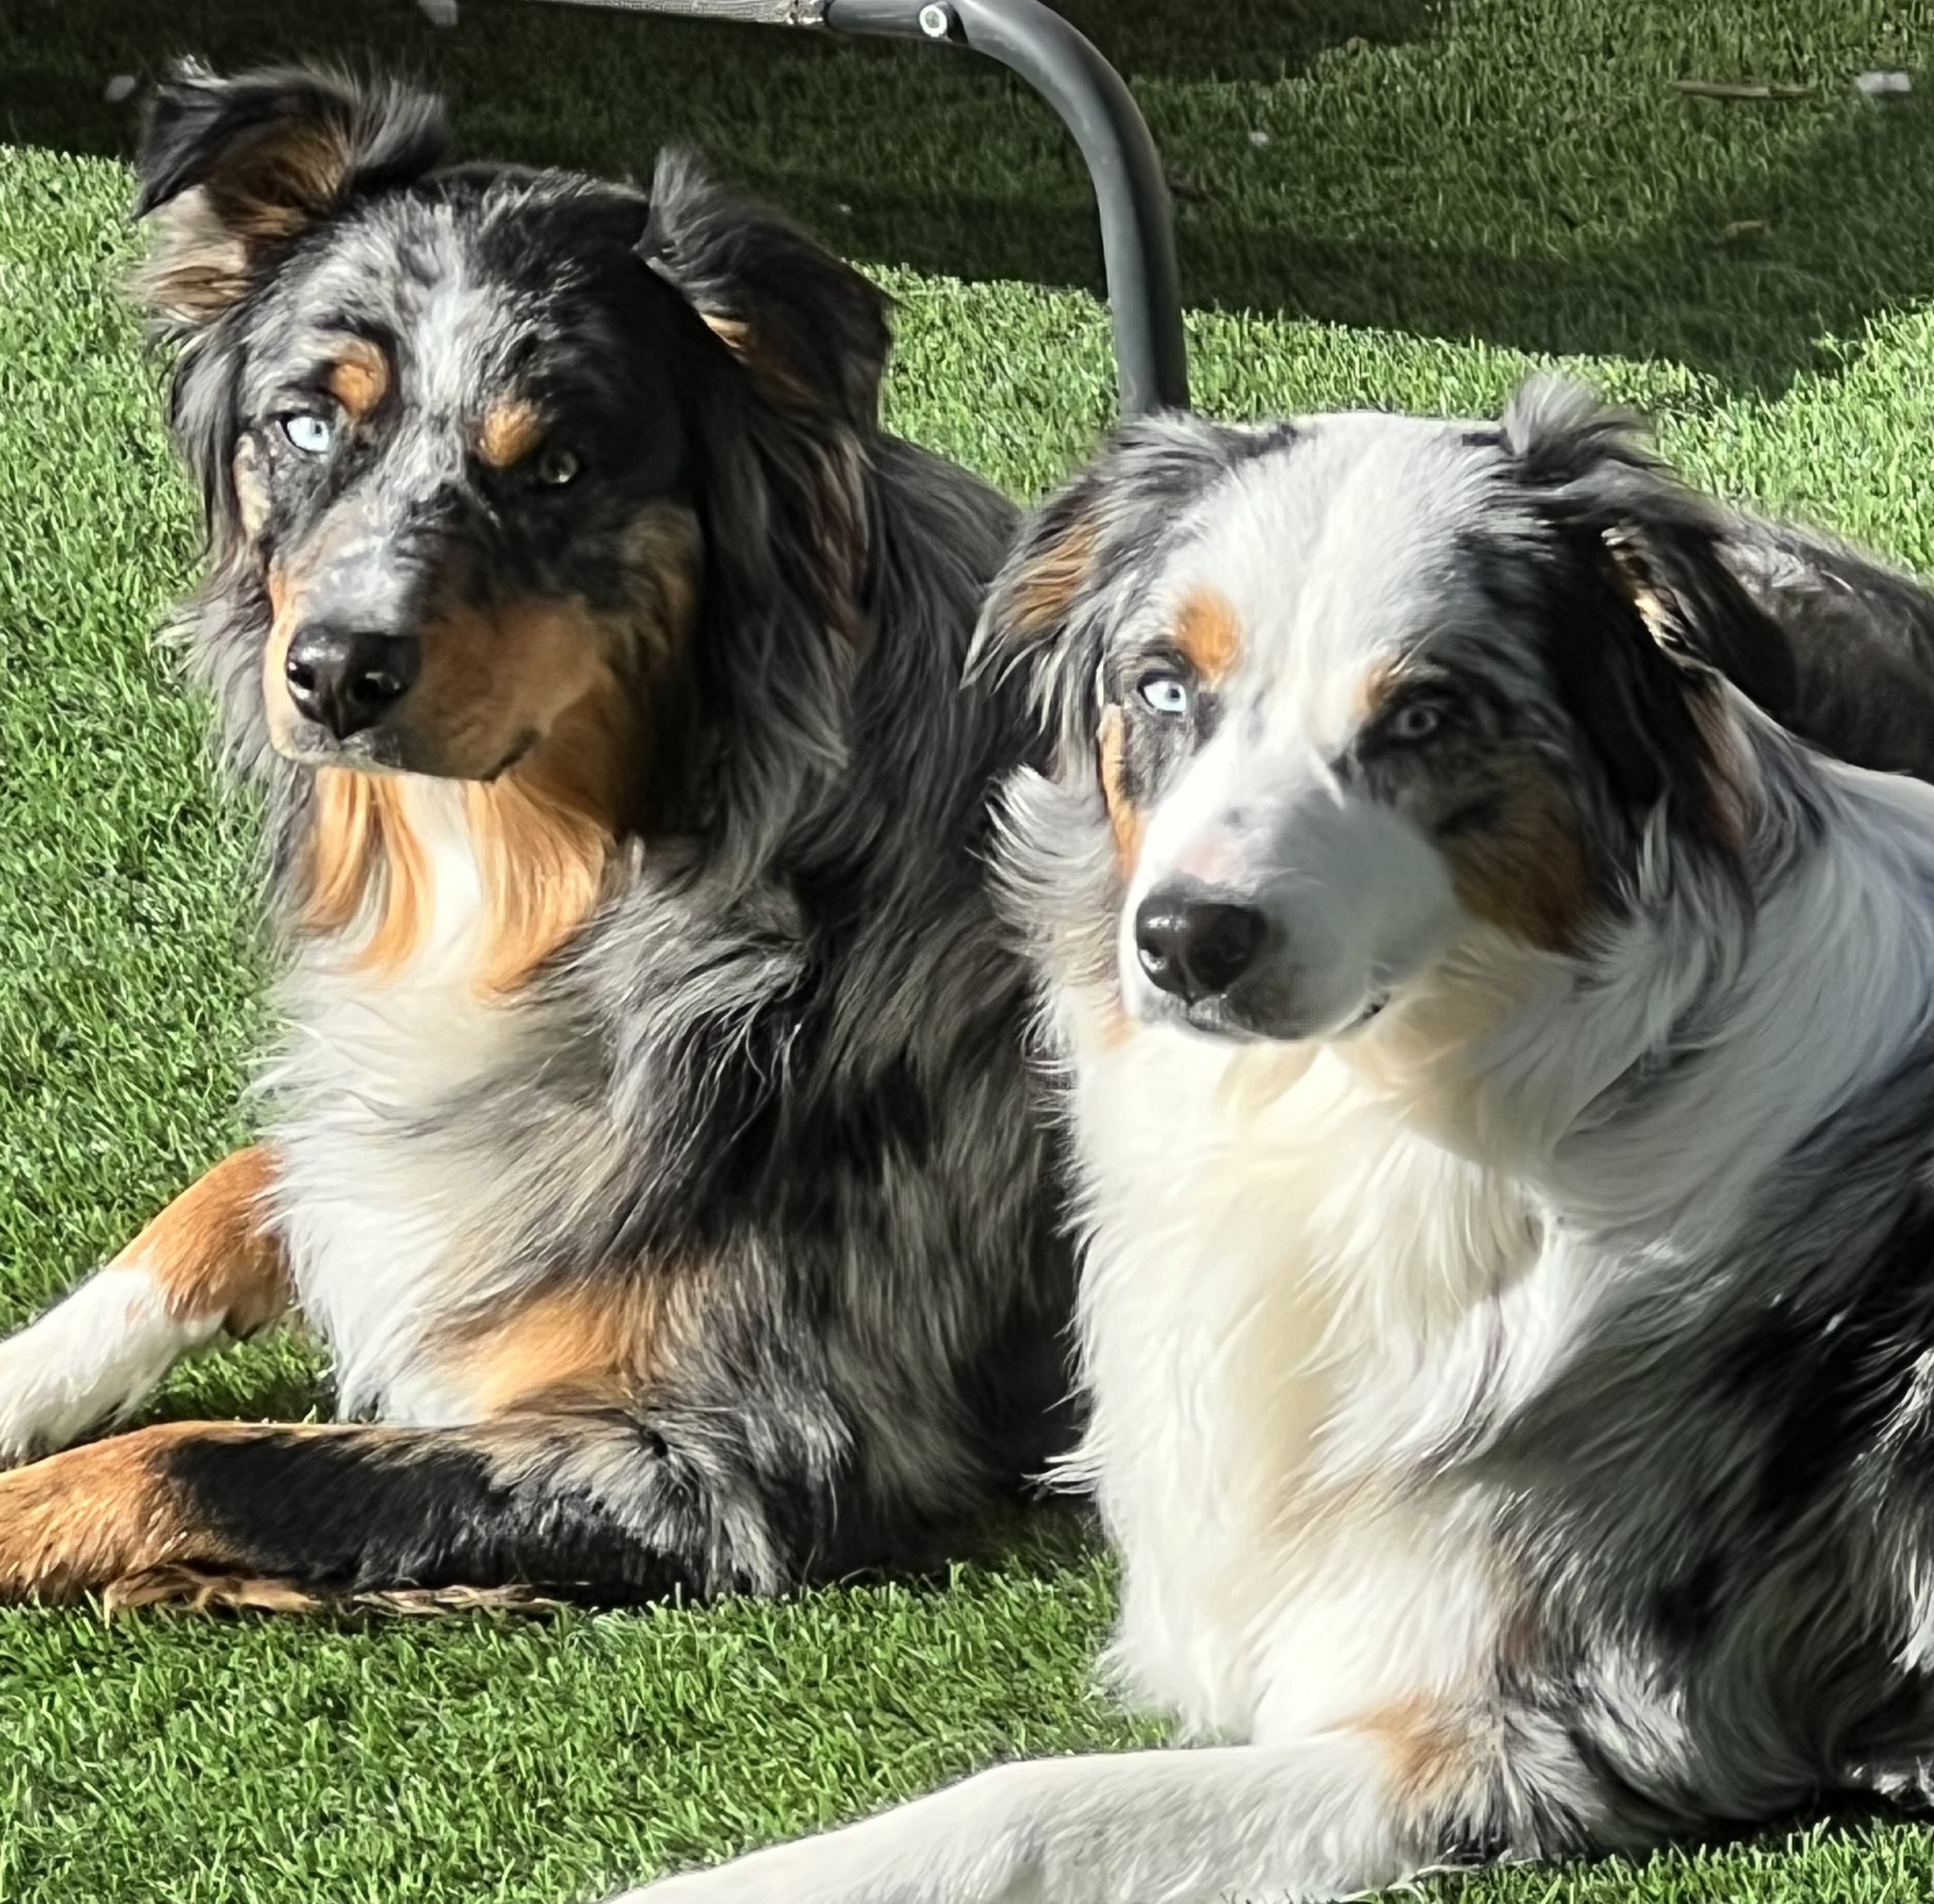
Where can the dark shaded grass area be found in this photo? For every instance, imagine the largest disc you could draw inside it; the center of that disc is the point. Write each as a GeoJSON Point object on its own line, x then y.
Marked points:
{"type": "Point", "coordinates": [1519, 171]}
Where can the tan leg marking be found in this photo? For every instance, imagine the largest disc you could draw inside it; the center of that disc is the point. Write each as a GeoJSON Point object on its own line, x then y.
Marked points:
{"type": "Point", "coordinates": [587, 1343]}
{"type": "Point", "coordinates": [1434, 1758]}
{"type": "Point", "coordinates": [211, 1253]}
{"type": "Point", "coordinates": [81, 1519]}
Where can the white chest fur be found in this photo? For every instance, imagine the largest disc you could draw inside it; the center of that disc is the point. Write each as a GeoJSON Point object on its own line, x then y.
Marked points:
{"type": "Point", "coordinates": [382, 1208]}
{"type": "Point", "coordinates": [1287, 1301]}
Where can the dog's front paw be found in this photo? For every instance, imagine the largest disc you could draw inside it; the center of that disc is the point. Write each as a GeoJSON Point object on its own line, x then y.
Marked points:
{"type": "Point", "coordinates": [92, 1357]}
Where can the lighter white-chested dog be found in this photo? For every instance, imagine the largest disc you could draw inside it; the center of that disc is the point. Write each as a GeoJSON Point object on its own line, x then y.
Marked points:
{"type": "Point", "coordinates": [1501, 1061]}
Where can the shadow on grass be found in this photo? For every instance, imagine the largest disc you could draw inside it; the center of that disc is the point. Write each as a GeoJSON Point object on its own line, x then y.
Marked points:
{"type": "Point", "coordinates": [933, 160]}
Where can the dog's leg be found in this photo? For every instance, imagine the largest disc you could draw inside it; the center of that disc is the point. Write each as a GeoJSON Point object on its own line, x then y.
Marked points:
{"type": "Point", "coordinates": [1341, 1813]}
{"type": "Point", "coordinates": [554, 1502]}
{"type": "Point", "coordinates": [204, 1268]}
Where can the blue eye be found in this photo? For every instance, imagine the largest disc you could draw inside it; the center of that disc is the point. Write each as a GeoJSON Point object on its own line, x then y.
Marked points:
{"type": "Point", "coordinates": [1167, 693]}
{"type": "Point", "coordinates": [310, 433]}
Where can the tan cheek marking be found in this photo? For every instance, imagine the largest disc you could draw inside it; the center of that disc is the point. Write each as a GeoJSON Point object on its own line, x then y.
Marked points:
{"type": "Point", "coordinates": [285, 611]}
{"type": "Point", "coordinates": [544, 831]}
{"type": "Point", "coordinates": [494, 678]}
{"type": "Point", "coordinates": [1526, 872]}
{"type": "Point", "coordinates": [1123, 817]}
{"type": "Point", "coordinates": [1206, 630]}
{"type": "Point", "coordinates": [509, 432]}
{"type": "Point", "coordinates": [359, 378]}
{"type": "Point", "coordinates": [210, 1253]}
{"type": "Point", "coordinates": [252, 492]}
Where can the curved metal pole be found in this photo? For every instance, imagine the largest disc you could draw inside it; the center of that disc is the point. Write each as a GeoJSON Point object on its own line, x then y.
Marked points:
{"type": "Point", "coordinates": [1061, 64]}
{"type": "Point", "coordinates": [1130, 190]}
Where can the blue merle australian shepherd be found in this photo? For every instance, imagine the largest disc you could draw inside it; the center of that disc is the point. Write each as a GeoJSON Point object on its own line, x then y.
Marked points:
{"type": "Point", "coordinates": [1502, 1064]}
{"type": "Point", "coordinates": [649, 1141]}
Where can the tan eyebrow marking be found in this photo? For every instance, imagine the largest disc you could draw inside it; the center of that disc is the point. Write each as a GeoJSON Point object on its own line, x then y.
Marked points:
{"type": "Point", "coordinates": [1206, 630]}
{"type": "Point", "coordinates": [358, 378]}
{"type": "Point", "coordinates": [511, 429]}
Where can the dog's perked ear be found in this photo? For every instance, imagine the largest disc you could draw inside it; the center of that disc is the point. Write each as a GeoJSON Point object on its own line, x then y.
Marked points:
{"type": "Point", "coordinates": [1083, 559]}
{"type": "Point", "coordinates": [231, 170]}
{"type": "Point", "coordinates": [1647, 615]}
{"type": "Point", "coordinates": [806, 324]}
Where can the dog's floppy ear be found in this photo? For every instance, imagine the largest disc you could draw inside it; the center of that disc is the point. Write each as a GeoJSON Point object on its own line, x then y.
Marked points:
{"type": "Point", "coordinates": [808, 326]}
{"type": "Point", "coordinates": [1084, 558]}
{"type": "Point", "coordinates": [1044, 614]}
{"type": "Point", "coordinates": [1648, 613]}
{"type": "Point", "coordinates": [1592, 461]}
{"type": "Point", "coordinates": [232, 168]}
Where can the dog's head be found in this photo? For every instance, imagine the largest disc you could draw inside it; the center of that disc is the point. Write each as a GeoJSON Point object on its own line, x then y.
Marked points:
{"type": "Point", "coordinates": [479, 446]}
{"type": "Point", "coordinates": [1342, 697]}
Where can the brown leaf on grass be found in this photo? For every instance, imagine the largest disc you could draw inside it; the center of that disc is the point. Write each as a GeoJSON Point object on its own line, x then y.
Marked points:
{"type": "Point", "coordinates": [1771, 90]}
{"type": "Point", "coordinates": [198, 1591]}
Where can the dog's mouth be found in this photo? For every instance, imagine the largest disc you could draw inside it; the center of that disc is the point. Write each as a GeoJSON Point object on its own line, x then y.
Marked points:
{"type": "Point", "coordinates": [519, 748]}
{"type": "Point", "coordinates": [1371, 1012]}
{"type": "Point", "coordinates": [1218, 1018]}
{"type": "Point", "coordinates": [308, 744]}
{"type": "Point", "coordinates": [378, 750]}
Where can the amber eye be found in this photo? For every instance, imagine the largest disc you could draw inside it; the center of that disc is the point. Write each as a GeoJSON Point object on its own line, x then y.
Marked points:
{"type": "Point", "coordinates": [554, 466]}
{"type": "Point", "coordinates": [1418, 721]}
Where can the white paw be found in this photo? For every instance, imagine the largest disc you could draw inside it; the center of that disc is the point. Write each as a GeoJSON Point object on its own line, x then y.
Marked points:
{"type": "Point", "coordinates": [92, 1356]}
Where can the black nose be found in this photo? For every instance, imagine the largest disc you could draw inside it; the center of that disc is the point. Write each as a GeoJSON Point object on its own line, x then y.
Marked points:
{"type": "Point", "coordinates": [348, 678]}
{"type": "Point", "coordinates": [1195, 948]}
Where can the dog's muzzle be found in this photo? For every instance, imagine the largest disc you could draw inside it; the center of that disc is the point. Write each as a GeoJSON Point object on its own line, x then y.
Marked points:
{"type": "Point", "coordinates": [347, 678]}
{"type": "Point", "coordinates": [1194, 946]}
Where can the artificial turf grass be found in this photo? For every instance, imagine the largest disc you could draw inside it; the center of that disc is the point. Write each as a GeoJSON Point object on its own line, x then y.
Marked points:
{"type": "Point", "coordinates": [1484, 182]}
